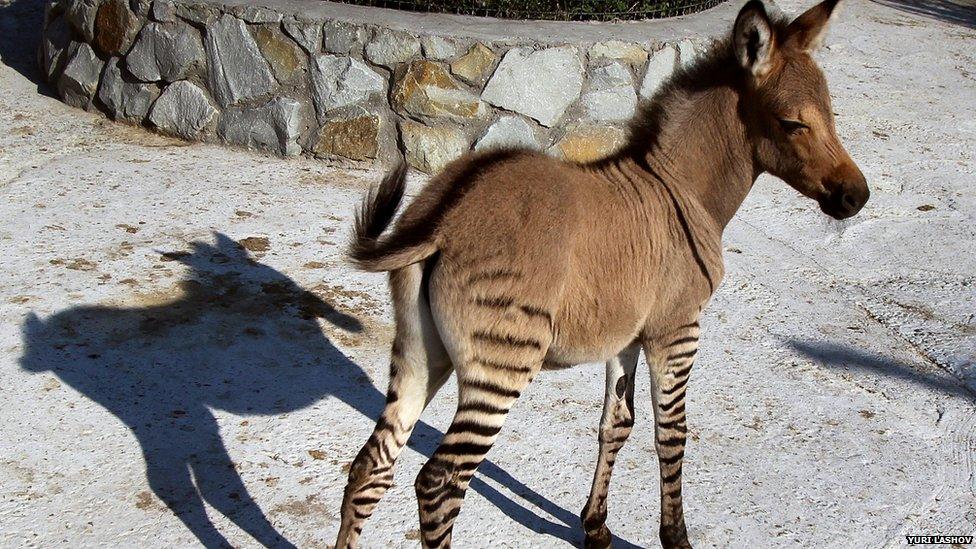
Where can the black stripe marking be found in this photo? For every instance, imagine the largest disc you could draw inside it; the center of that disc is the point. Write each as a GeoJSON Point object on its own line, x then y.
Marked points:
{"type": "Point", "coordinates": [437, 540]}
{"type": "Point", "coordinates": [674, 476]}
{"type": "Point", "coordinates": [491, 388]}
{"type": "Point", "coordinates": [506, 339]}
{"type": "Point", "coordinates": [380, 483]}
{"type": "Point", "coordinates": [474, 427]}
{"type": "Point", "coordinates": [483, 407]}
{"type": "Point", "coordinates": [364, 500]}
{"type": "Point", "coordinates": [503, 365]}
{"type": "Point", "coordinates": [623, 423]}
{"type": "Point", "coordinates": [667, 406]}
{"type": "Point", "coordinates": [672, 491]}
{"type": "Point", "coordinates": [673, 442]}
{"type": "Point", "coordinates": [676, 387]}
{"type": "Point", "coordinates": [529, 310]}
{"type": "Point", "coordinates": [618, 439]}
{"type": "Point", "coordinates": [684, 371]}
{"type": "Point", "coordinates": [494, 302]}
{"type": "Point", "coordinates": [679, 409]}
{"type": "Point", "coordinates": [444, 493]}
{"type": "Point", "coordinates": [466, 468]}
{"type": "Point", "coordinates": [384, 452]}
{"type": "Point", "coordinates": [463, 449]}
{"type": "Point", "coordinates": [682, 341]}
{"type": "Point", "coordinates": [671, 424]}
{"type": "Point", "coordinates": [382, 426]}
{"type": "Point", "coordinates": [686, 354]}
{"type": "Point", "coordinates": [671, 460]}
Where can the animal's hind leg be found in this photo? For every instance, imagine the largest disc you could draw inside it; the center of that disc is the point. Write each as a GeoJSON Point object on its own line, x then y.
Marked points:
{"type": "Point", "coordinates": [483, 403]}
{"type": "Point", "coordinates": [419, 365]}
{"type": "Point", "coordinates": [615, 427]}
{"type": "Point", "coordinates": [497, 338]}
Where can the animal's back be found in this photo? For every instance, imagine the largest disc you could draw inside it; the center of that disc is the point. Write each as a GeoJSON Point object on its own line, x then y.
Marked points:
{"type": "Point", "coordinates": [518, 231]}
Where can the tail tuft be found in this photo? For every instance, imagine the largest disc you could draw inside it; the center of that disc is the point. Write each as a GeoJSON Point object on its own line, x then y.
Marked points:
{"type": "Point", "coordinates": [379, 207]}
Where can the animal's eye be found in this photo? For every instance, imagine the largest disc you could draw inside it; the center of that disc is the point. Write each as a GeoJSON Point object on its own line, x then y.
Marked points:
{"type": "Point", "coordinates": [792, 126]}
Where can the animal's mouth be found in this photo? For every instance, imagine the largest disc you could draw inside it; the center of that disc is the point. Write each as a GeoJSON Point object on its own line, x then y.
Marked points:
{"type": "Point", "coordinates": [839, 205]}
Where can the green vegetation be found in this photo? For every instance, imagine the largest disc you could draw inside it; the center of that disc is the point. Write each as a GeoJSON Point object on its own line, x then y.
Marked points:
{"type": "Point", "coordinates": [578, 10]}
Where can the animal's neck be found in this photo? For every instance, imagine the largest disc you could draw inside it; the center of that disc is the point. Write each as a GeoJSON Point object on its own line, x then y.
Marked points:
{"type": "Point", "coordinates": [701, 151]}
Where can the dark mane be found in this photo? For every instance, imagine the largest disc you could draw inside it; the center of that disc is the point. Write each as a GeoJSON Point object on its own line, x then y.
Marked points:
{"type": "Point", "coordinates": [715, 68]}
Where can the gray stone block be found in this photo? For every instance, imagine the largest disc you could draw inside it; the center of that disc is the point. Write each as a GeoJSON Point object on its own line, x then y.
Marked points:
{"type": "Point", "coordinates": [389, 48]}
{"type": "Point", "coordinates": [56, 47]}
{"type": "Point", "coordinates": [659, 68]}
{"type": "Point", "coordinates": [509, 131]}
{"type": "Point", "coordinates": [257, 14]}
{"type": "Point", "coordinates": [163, 11]}
{"type": "Point", "coordinates": [342, 38]}
{"type": "Point", "coordinates": [78, 82]}
{"type": "Point", "coordinates": [539, 84]}
{"type": "Point", "coordinates": [81, 15]}
{"type": "Point", "coordinates": [183, 109]}
{"type": "Point", "coordinates": [687, 53]}
{"type": "Point", "coordinates": [307, 34]}
{"type": "Point", "coordinates": [122, 99]}
{"type": "Point", "coordinates": [201, 14]}
{"type": "Point", "coordinates": [611, 95]}
{"type": "Point", "coordinates": [430, 148]}
{"type": "Point", "coordinates": [338, 81]}
{"type": "Point", "coordinates": [237, 71]}
{"type": "Point", "coordinates": [275, 126]}
{"type": "Point", "coordinates": [165, 51]}
{"type": "Point", "coordinates": [441, 48]}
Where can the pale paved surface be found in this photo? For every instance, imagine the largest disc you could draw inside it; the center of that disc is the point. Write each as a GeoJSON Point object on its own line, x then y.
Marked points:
{"type": "Point", "coordinates": [820, 413]}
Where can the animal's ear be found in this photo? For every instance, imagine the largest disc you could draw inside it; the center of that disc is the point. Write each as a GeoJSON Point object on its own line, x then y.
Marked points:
{"type": "Point", "coordinates": [753, 39]}
{"type": "Point", "coordinates": [807, 31]}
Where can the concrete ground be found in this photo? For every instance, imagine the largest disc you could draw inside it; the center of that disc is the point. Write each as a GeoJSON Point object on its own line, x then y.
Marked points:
{"type": "Point", "coordinates": [178, 331]}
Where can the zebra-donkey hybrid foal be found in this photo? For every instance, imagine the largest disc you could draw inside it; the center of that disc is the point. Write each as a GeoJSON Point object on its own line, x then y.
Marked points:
{"type": "Point", "coordinates": [511, 262]}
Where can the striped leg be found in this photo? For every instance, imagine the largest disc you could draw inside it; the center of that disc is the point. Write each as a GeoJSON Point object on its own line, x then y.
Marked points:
{"type": "Point", "coordinates": [615, 427]}
{"type": "Point", "coordinates": [482, 407]}
{"type": "Point", "coordinates": [669, 374]}
{"type": "Point", "coordinates": [419, 365]}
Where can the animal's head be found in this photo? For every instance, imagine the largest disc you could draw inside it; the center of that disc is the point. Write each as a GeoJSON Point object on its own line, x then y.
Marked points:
{"type": "Point", "coordinates": [790, 118]}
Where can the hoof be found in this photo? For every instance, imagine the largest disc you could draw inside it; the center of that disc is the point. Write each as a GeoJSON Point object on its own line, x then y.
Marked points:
{"type": "Point", "coordinates": [599, 539]}
{"type": "Point", "coordinates": [675, 537]}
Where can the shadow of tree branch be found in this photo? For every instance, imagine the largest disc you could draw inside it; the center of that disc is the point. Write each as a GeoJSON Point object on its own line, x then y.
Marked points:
{"type": "Point", "coordinates": [835, 355]}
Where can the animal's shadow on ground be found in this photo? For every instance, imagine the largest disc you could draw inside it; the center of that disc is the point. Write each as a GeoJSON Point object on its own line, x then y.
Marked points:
{"type": "Point", "coordinates": [842, 356]}
{"type": "Point", "coordinates": [20, 39]}
{"type": "Point", "coordinates": [244, 338]}
{"type": "Point", "coordinates": [959, 12]}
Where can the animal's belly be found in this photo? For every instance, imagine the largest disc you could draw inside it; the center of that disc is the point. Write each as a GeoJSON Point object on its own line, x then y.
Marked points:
{"type": "Point", "coordinates": [578, 343]}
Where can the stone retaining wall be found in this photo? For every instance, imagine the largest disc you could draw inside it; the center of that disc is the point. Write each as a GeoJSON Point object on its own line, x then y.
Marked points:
{"type": "Point", "coordinates": [359, 84]}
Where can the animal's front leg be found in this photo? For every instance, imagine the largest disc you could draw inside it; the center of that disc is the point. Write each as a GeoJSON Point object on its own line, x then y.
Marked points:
{"type": "Point", "coordinates": [670, 364]}
{"type": "Point", "coordinates": [615, 427]}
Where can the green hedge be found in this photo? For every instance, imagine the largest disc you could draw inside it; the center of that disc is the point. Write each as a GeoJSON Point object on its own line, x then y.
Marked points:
{"type": "Point", "coordinates": [578, 10]}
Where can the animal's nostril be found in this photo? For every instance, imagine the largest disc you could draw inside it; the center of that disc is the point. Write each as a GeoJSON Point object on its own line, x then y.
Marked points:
{"type": "Point", "coordinates": [848, 202]}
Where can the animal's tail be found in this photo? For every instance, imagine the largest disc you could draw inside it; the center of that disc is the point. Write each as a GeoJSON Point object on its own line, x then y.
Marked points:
{"type": "Point", "coordinates": [367, 251]}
